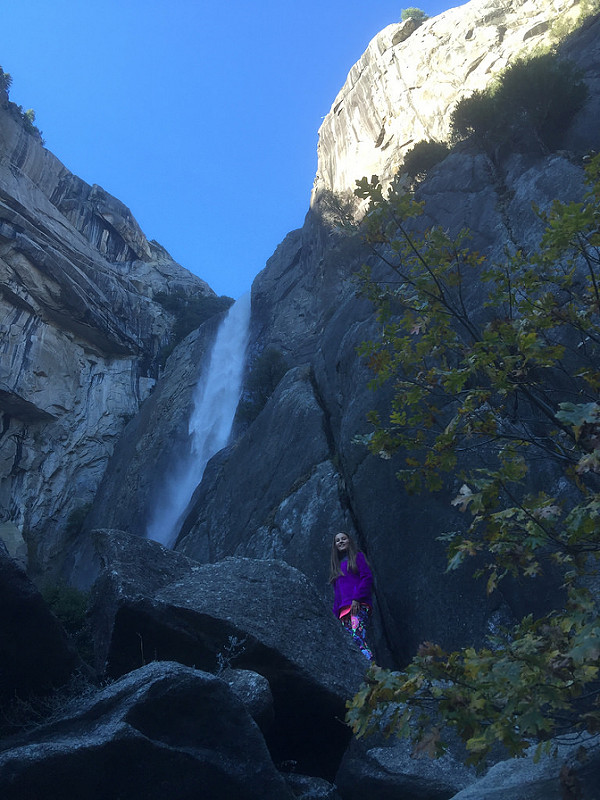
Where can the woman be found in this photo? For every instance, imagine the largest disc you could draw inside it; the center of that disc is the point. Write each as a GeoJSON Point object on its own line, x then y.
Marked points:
{"type": "Point", "coordinates": [352, 582]}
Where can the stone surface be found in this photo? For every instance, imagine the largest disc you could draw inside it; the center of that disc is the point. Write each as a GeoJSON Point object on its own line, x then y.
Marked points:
{"type": "Point", "coordinates": [252, 689]}
{"type": "Point", "coordinates": [162, 731]}
{"type": "Point", "coordinates": [146, 455]}
{"type": "Point", "coordinates": [151, 603]}
{"type": "Point", "coordinates": [572, 772]}
{"type": "Point", "coordinates": [306, 788]}
{"type": "Point", "coordinates": [404, 87]}
{"type": "Point", "coordinates": [80, 334]}
{"type": "Point", "coordinates": [35, 654]}
{"type": "Point", "coordinates": [15, 544]}
{"type": "Point", "coordinates": [385, 770]}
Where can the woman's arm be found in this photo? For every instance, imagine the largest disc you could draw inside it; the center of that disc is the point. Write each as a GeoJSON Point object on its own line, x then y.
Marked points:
{"type": "Point", "coordinates": [365, 575]}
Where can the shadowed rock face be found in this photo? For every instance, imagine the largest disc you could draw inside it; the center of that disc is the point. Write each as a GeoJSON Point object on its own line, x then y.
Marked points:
{"type": "Point", "coordinates": [164, 730]}
{"type": "Point", "coordinates": [386, 769]}
{"type": "Point", "coordinates": [35, 654]}
{"type": "Point", "coordinates": [572, 769]}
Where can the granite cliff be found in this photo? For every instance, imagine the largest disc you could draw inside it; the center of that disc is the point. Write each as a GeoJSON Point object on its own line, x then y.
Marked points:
{"type": "Point", "coordinates": [81, 334]}
{"type": "Point", "coordinates": [294, 474]}
{"type": "Point", "coordinates": [89, 417]}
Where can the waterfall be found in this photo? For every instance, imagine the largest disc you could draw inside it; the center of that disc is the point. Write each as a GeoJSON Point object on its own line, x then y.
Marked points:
{"type": "Point", "coordinates": [215, 401]}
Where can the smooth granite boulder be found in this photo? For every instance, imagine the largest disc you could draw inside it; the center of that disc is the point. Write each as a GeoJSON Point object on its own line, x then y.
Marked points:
{"type": "Point", "coordinates": [570, 772]}
{"type": "Point", "coordinates": [376, 768]}
{"type": "Point", "coordinates": [162, 731]}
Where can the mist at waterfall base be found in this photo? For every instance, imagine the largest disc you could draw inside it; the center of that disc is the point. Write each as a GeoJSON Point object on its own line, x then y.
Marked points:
{"type": "Point", "coordinates": [215, 402]}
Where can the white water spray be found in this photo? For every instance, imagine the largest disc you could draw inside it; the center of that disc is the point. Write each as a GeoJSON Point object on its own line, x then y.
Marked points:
{"type": "Point", "coordinates": [215, 401]}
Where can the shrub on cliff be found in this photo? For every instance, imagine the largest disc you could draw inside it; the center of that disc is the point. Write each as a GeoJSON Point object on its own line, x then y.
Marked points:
{"type": "Point", "coordinates": [189, 313]}
{"type": "Point", "coordinates": [478, 117]}
{"type": "Point", "coordinates": [26, 116]}
{"type": "Point", "coordinates": [413, 13]}
{"type": "Point", "coordinates": [5, 81]}
{"type": "Point", "coordinates": [421, 158]}
{"type": "Point", "coordinates": [487, 394]}
{"type": "Point", "coordinates": [536, 97]}
{"type": "Point", "coordinates": [266, 372]}
{"type": "Point", "coordinates": [70, 605]}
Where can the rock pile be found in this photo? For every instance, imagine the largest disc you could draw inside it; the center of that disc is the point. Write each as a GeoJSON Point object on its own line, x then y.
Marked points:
{"type": "Point", "coordinates": [224, 680]}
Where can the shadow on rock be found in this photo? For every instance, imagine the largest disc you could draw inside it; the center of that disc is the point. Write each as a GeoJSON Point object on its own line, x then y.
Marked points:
{"type": "Point", "coordinates": [151, 604]}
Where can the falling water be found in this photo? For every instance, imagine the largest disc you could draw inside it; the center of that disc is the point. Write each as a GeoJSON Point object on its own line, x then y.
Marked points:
{"type": "Point", "coordinates": [215, 401]}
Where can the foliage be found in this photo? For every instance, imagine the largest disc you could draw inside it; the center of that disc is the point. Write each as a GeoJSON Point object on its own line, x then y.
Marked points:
{"type": "Point", "coordinates": [564, 25]}
{"type": "Point", "coordinates": [27, 714]}
{"type": "Point", "coordinates": [478, 117]}
{"type": "Point", "coordinates": [267, 370]}
{"type": "Point", "coordinates": [5, 81]}
{"type": "Point", "coordinates": [27, 116]}
{"type": "Point", "coordinates": [488, 390]}
{"type": "Point", "coordinates": [545, 91]}
{"type": "Point", "coordinates": [76, 519]}
{"type": "Point", "coordinates": [413, 13]}
{"type": "Point", "coordinates": [421, 158]}
{"type": "Point", "coordinates": [230, 652]}
{"type": "Point", "coordinates": [189, 313]}
{"type": "Point", "coordinates": [536, 97]}
{"type": "Point", "coordinates": [70, 606]}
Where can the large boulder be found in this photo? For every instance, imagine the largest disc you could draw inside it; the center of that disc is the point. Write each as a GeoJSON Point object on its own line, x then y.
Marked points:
{"type": "Point", "coordinates": [164, 730]}
{"type": "Point", "coordinates": [306, 787]}
{"type": "Point", "coordinates": [35, 653]}
{"type": "Point", "coordinates": [385, 769]}
{"type": "Point", "coordinates": [265, 616]}
{"type": "Point", "coordinates": [570, 772]}
{"type": "Point", "coordinates": [251, 688]}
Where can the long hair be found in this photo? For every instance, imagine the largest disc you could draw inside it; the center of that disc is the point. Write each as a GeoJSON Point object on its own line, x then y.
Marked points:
{"type": "Point", "coordinates": [337, 558]}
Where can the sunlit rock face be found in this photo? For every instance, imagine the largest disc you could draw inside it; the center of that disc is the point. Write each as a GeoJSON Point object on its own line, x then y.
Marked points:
{"type": "Point", "coordinates": [80, 334]}
{"type": "Point", "coordinates": [404, 87]}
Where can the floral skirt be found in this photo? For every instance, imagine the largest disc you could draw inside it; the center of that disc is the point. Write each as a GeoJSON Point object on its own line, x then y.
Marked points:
{"type": "Point", "coordinates": [356, 625]}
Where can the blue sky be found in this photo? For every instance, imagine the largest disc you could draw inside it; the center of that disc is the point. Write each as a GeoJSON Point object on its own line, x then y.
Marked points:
{"type": "Point", "coordinates": [200, 116]}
